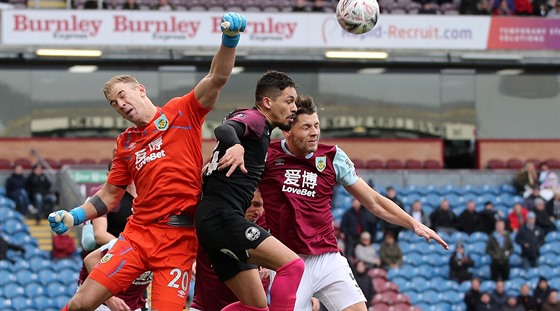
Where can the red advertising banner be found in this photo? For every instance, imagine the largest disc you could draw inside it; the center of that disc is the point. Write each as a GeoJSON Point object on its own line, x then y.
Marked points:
{"type": "Point", "coordinates": [508, 33]}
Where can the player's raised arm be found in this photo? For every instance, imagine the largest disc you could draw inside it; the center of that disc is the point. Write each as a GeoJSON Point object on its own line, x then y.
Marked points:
{"type": "Point", "coordinates": [389, 211]}
{"type": "Point", "coordinates": [99, 204]}
{"type": "Point", "coordinates": [209, 88]}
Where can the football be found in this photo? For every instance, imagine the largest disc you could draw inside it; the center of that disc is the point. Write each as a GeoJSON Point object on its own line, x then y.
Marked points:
{"type": "Point", "coordinates": [357, 16]}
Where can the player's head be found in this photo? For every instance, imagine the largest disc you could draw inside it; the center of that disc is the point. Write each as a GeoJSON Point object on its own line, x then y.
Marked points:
{"type": "Point", "coordinates": [256, 209]}
{"type": "Point", "coordinates": [275, 97]}
{"type": "Point", "coordinates": [128, 98]}
{"type": "Point", "coordinates": [303, 137]}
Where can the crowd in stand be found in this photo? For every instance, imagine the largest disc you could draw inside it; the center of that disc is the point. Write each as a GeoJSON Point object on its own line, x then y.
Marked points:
{"type": "Point", "coordinates": [529, 222]}
{"type": "Point", "coordinates": [33, 194]}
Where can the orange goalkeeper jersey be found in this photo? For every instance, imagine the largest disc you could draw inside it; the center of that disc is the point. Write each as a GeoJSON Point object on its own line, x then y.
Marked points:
{"type": "Point", "coordinates": [164, 159]}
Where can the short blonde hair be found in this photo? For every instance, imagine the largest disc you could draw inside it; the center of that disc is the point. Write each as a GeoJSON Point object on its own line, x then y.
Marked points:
{"type": "Point", "coordinates": [116, 79]}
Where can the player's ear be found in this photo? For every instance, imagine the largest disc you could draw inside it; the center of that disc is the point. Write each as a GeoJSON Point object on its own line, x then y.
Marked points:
{"type": "Point", "coordinates": [142, 89]}
{"type": "Point", "coordinates": [266, 102]}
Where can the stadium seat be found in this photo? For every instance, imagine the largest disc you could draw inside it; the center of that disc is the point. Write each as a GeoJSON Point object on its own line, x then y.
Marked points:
{"type": "Point", "coordinates": [394, 164]}
{"type": "Point", "coordinates": [5, 164]}
{"type": "Point", "coordinates": [11, 228]}
{"type": "Point", "coordinates": [514, 164]}
{"type": "Point", "coordinates": [413, 164]}
{"type": "Point", "coordinates": [432, 164]}
{"type": "Point", "coordinates": [26, 276]}
{"type": "Point", "coordinates": [22, 303]}
{"type": "Point", "coordinates": [67, 161]}
{"type": "Point", "coordinates": [553, 164]}
{"type": "Point", "coordinates": [52, 163]}
{"type": "Point", "coordinates": [552, 237]}
{"type": "Point", "coordinates": [496, 164]}
{"type": "Point", "coordinates": [87, 161]}
{"type": "Point", "coordinates": [487, 286]}
{"type": "Point", "coordinates": [551, 248]}
{"type": "Point", "coordinates": [377, 273]}
{"type": "Point", "coordinates": [375, 164]}
{"type": "Point", "coordinates": [55, 289]}
{"type": "Point", "coordinates": [34, 289]}
{"type": "Point", "coordinates": [12, 290]}
{"type": "Point", "coordinates": [43, 302]}
{"type": "Point", "coordinates": [358, 163]}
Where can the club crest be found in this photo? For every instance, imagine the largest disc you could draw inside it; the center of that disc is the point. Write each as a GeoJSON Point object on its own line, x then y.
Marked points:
{"type": "Point", "coordinates": [321, 163]}
{"type": "Point", "coordinates": [106, 258]}
{"type": "Point", "coordinates": [161, 123]}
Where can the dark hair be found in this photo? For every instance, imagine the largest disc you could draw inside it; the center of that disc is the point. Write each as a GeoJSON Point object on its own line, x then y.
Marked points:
{"type": "Point", "coordinates": [271, 84]}
{"type": "Point", "coordinates": [109, 166]}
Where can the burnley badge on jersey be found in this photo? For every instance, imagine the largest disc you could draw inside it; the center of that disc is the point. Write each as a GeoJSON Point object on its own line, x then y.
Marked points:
{"type": "Point", "coordinates": [106, 258]}
{"type": "Point", "coordinates": [161, 123]}
{"type": "Point", "coordinates": [321, 163]}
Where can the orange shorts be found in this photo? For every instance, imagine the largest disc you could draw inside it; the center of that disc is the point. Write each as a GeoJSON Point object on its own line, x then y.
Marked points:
{"type": "Point", "coordinates": [167, 251]}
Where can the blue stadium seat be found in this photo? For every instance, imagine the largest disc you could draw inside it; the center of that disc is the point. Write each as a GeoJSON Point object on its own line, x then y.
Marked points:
{"type": "Point", "coordinates": [25, 276]}
{"type": "Point", "coordinates": [43, 302]}
{"type": "Point", "coordinates": [21, 265]}
{"type": "Point", "coordinates": [485, 260]}
{"type": "Point", "coordinates": [552, 236]}
{"type": "Point", "coordinates": [55, 289]}
{"type": "Point", "coordinates": [514, 283]}
{"type": "Point", "coordinates": [34, 289]}
{"type": "Point", "coordinates": [442, 271]}
{"type": "Point", "coordinates": [550, 259]}
{"type": "Point", "coordinates": [39, 263]}
{"type": "Point", "coordinates": [507, 199]}
{"type": "Point", "coordinates": [7, 266]}
{"type": "Point", "coordinates": [5, 303]}
{"type": "Point", "coordinates": [61, 301]}
{"type": "Point", "coordinates": [453, 297]}
{"type": "Point", "coordinates": [7, 203]}
{"type": "Point", "coordinates": [468, 189]}
{"type": "Point", "coordinates": [487, 286]}
{"type": "Point", "coordinates": [507, 188]}
{"type": "Point", "coordinates": [532, 273]}
{"type": "Point", "coordinates": [458, 307]}
{"type": "Point", "coordinates": [435, 259]}
{"type": "Point", "coordinates": [433, 199]}
{"type": "Point", "coordinates": [482, 272]}
{"type": "Point", "coordinates": [448, 189]}
{"type": "Point", "coordinates": [552, 247]}
{"type": "Point", "coordinates": [22, 303]}
{"type": "Point", "coordinates": [454, 200]}
{"type": "Point", "coordinates": [485, 197]}
{"type": "Point", "coordinates": [491, 189]}
{"type": "Point", "coordinates": [2, 190]}
{"type": "Point", "coordinates": [451, 285]}
{"type": "Point", "coordinates": [517, 273]}
{"type": "Point", "coordinates": [13, 227]}
{"type": "Point", "coordinates": [516, 247]}
{"type": "Point", "coordinates": [12, 290]}
{"type": "Point", "coordinates": [465, 286]}
{"type": "Point", "coordinates": [515, 260]}
{"type": "Point", "coordinates": [478, 237]}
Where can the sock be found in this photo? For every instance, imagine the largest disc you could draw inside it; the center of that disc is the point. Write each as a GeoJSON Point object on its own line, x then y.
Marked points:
{"type": "Point", "coordinates": [238, 306]}
{"type": "Point", "coordinates": [285, 285]}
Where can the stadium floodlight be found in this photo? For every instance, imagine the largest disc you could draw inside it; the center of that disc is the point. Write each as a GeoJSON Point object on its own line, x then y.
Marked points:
{"type": "Point", "coordinates": [237, 69]}
{"type": "Point", "coordinates": [68, 53]}
{"type": "Point", "coordinates": [492, 57]}
{"type": "Point", "coordinates": [509, 72]}
{"type": "Point", "coordinates": [356, 55]}
{"type": "Point", "coordinates": [371, 71]}
{"type": "Point", "coordinates": [82, 69]}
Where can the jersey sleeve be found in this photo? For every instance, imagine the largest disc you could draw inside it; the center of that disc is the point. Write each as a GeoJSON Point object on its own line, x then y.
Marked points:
{"type": "Point", "coordinates": [344, 168]}
{"type": "Point", "coordinates": [254, 122]}
{"type": "Point", "coordinates": [192, 107]}
{"type": "Point", "coordinates": [119, 175]}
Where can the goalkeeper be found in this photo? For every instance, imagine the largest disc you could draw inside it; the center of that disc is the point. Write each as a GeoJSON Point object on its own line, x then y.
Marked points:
{"type": "Point", "coordinates": [162, 155]}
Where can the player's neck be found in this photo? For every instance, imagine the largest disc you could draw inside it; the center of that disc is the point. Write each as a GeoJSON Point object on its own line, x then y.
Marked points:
{"type": "Point", "coordinates": [266, 116]}
{"type": "Point", "coordinates": [293, 150]}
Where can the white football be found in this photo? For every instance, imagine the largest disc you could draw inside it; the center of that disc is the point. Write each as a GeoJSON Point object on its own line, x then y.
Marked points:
{"type": "Point", "coordinates": [357, 16]}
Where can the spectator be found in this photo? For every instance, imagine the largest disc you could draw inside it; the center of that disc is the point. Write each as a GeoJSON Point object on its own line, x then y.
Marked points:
{"type": "Point", "coordinates": [428, 7]}
{"type": "Point", "coordinates": [299, 6]}
{"type": "Point", "coordinates": [472, 296]}
{"type": "Point", "coordinates": [443, 219]}
{"type": "Point", "coordinates": [459, 264]}
{"type": "Point", "coordinates": [530, 237]}
{"type": "Point", "coordinates": [483, 8]}
{"type": "Point", "coordinates": [391, 194]}
{"type": "Point", "coordinates": [512, 305]}
{"type": "Point", "coordinates": [553, 206]}
{"type": "Point", "coordinates": [365, 251]}
{"type": "Point", "coordinates": [94, 4]}
{"type": "Point", "coordinates": [468, 7]}
{"type": "Point", "coordinates": [5, 246]}
{"type": "Point", "coordinates": [38, 186]}
{"type": "Point", "coordinates": [543, 220]}
{"type": "Point", "coordinates": [488, 217]}
{"type": "Point", "coordinates": [15, 188]}
{"type": "Point", "coordinates": [517, 217]}
{"type": "Point", "coordinates": [355, 221]}
{"type": "Point", "coordinates": [541, 292]}
{"type": "Point", "coordinates": [131, 5]}
{"type": "Point", "coordinates": [318, 6]}
{"type": "Point", "coordinates": [527, 178]}
{"type": "Point", "coordinates": [164, 5]}
{"type": "Point", "coordinates": [551, 303]}
{"type": "Point", "coordinates": [523, 7]}
{"type": "Point", "coordinates": [417, 212]}
{"type": "Point", "coordinates": [498, 296]}
{"type": "Point", "coordinates": [548, 180]}
{"type": "Point", "coordinates": [364, 280]}
{"type": "Point", "coordinates": [500, 248]}
{"type": "Point", "coordinates": [391, 254]}
{"type": "Point", "coordinates": [63, 246]}
{"type": "Point", "coordinates": [468, 220]}
{"type": "Point", "coordinates": [553, 9]}
{"type": "Point", "coordinates": [530, 199]}
{"type": "Point", "coordinates": [525, 299]}
{"type": "Point", "coordinates": [485, 303]}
